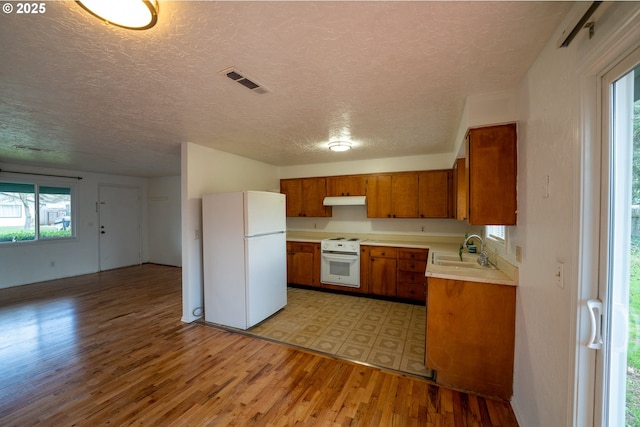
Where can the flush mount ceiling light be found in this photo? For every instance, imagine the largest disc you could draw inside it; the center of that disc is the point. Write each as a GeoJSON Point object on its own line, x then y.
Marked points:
{"type": "Point", "coordinates": [131, 14]}
{"type": "Point", "coordinates": [340, 146]}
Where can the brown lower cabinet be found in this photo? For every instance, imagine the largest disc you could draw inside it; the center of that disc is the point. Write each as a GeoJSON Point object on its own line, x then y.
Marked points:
{"type": "Point", "coordinates": [384, 270]}
{"type": "Point", "coordinates": [383, 266]}
{"type": "Point", "coordinates": [412, 264]}
{"type": "Point", "coordinates": [303, 263]}
{"type": "Point", "coordinates": [470, 335]}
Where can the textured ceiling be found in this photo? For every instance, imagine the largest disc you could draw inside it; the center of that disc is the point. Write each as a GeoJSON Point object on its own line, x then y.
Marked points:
{"type": "Point", "coordinates": [391, 76]}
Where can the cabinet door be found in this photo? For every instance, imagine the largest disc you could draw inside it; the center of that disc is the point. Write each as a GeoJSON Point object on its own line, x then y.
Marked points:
{"type": "Point", "coordinates": [300, 264]}
{"type": "Point", "coordinates": [292, 188]}
{"type": "Point", "coordinates": [404, 195]}
{"type": "Point", "coordinates": [365, 263]}
{"type": "Point", "coordinates": [379, 196]}
{"type": "Point", "coordinates": [314, 191]}
{"type": "Point", "coordinates": [459, 190]}
{"type": "Point", "coordinates": [349, 185]}
{"type": "Point", "coordinates": [434, 194]}
{"type": "Point", "coordinates": [317, 259]}
{"type": "Point", "coordinates": [382, 276]}
{"type": "Point", "coordinates": [480, 317]}
{"type": "Point", "coordinates": [491, 175]}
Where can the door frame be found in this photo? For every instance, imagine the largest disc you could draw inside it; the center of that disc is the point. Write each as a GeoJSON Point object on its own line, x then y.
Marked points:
{"type": "Point", "coordinates": [138, 218]}
{"type": "Point", "coordinates": [599, 61]}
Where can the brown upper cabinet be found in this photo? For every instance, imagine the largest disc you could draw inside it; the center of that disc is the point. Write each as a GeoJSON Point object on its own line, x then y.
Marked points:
{"type": "Point", "coordinates": [347, 185]}
{"type": "Point", "coordinates": [491, 172]}
{"type": "Point", "coordinates": [392, 195]}
{"type": "Point", "coordinates": [423, 194]}
{"type": "Point", "coordinates": [459, 190]}
{"type": "Point", "coordinates": [305, 196]}
{"type": "Point", "coordinates": [434, 194]}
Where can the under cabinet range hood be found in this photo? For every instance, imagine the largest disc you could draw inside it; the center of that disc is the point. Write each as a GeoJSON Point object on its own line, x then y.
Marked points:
{"type": "Point", "coordinates": [345, 201]}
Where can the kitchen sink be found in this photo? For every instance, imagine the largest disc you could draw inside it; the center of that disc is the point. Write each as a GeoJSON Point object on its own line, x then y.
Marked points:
{"type": "Point", "coordinates": [453, 260]}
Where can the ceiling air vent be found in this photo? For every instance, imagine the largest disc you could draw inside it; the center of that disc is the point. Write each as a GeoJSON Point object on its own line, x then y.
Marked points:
{"type": "Point", "coordinates": [236, 76]}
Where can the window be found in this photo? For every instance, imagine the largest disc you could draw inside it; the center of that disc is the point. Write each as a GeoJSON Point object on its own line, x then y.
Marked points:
{"type": "Point", "coordinates": [21, 221]}
{"type": "Point", "coordinates": [496, 233]}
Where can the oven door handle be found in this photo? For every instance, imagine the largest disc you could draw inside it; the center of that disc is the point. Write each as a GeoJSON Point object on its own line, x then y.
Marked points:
{"type": "Point", "coordinates": [340, 257]}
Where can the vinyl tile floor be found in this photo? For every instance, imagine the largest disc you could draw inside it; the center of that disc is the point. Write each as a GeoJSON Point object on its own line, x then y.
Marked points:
{"type": "Point", "coordinates": [386, 334]}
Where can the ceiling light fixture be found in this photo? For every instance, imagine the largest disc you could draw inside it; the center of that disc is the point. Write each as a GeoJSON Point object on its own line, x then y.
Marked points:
{"type": "Point", "coordinates": [130, 14]}
{"type": "Point", "coordinates": [340, 146]}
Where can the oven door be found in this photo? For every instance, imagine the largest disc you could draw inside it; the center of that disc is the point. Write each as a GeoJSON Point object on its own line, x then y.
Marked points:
{"type": "Point", "coordinates": [340, 269]}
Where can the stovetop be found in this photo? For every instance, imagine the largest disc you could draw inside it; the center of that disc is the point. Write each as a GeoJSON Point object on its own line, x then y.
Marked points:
{"type": "Point", "coordinates": [341, 244]}
{"type": "Point", "coordinates": [352, 239]}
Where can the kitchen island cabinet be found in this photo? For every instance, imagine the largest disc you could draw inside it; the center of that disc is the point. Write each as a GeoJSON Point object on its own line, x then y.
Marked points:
{"type": "Point", "coordinates": [470, 335]}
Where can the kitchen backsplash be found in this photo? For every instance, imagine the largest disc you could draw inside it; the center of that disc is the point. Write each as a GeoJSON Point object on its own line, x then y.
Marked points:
{"type": "Point", "coordinates": [353, 219]}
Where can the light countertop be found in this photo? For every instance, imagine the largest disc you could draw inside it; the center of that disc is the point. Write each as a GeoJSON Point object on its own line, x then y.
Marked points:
{"type": "Point", "coordinates": [504, 274]}
{"type": "Point", "coordinates": [402, 241]}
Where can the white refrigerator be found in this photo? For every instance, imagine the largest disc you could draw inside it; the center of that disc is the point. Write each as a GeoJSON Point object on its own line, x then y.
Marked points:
{"type": "Point", "coordinates": [244, 257]}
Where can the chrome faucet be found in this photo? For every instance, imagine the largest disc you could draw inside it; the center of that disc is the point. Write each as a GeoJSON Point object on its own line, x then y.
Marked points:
{"type": "Point", "coordinates": [483, 256]}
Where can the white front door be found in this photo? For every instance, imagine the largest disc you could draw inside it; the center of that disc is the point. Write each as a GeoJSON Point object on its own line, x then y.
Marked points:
{"type": "Point", "coordinates": [120, 238]}
{"type": "Point", "coordinates": [615, 311]}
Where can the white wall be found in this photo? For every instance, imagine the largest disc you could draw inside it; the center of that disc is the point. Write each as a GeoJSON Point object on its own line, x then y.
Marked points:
{"type": "Point", "coordinates": [205, 171]}
{"type": "Point", "coordinates": [394, 164]}
{"type": "Point", "coordinates": [353, 219]}
{"type": "Point", "coordinates": [23, 263]}
{"type": "Point", "coordinates": [550, 134]}
{"type": "Point", "coordinates": [165, 224]}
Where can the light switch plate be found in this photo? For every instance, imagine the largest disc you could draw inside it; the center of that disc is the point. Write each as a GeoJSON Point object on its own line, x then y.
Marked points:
{"type": "Point", "coordinates": [518, 253]}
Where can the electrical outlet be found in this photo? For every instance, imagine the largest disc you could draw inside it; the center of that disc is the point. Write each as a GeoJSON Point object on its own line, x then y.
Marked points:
{"type": "Point", "coordinates": [196, 235]}
{"type": "Point", "coordinates": [559, 275]}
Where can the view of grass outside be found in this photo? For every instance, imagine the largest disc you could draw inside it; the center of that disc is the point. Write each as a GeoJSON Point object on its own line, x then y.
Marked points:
{"type": "Point", "coordinates": [16, 234]}
{"type": "Point", "coordinates": [18, 215]}
{"type": "Point", "coordinates": [633, 350]}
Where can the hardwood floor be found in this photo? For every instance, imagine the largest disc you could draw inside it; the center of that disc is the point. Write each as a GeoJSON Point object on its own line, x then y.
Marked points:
{"type": "Point", "coordinates": [110, 349]}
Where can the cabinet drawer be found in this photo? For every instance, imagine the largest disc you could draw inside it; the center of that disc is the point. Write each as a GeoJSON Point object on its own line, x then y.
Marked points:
{"type": "Point", "coordinates": [409, 278]}
{"type": "Point", "coordinates": [417, 254]}
{"type": "Point", "coordinates": [299, 247]}
{"type": "Point", "coordinates": [383, 252]}
{"type": "Point", "coordinates": [409, 265]}
{"type": "Point", "coordinates": [412, 292]}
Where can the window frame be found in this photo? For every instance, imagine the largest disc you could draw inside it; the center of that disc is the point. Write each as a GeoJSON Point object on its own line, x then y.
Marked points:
{"type": "Point", "coordinates": [46, 183]}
